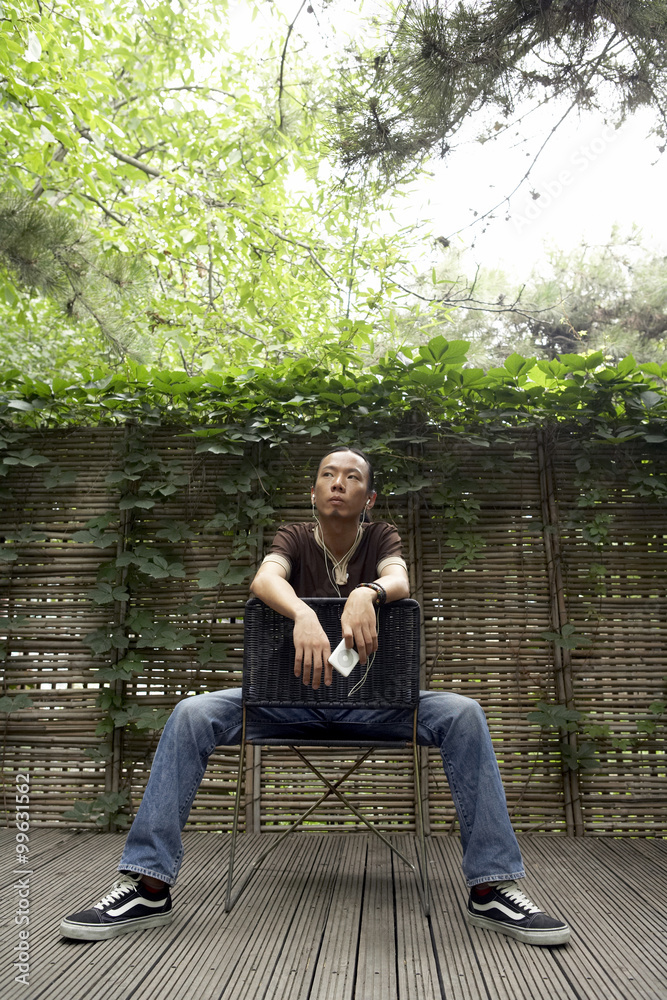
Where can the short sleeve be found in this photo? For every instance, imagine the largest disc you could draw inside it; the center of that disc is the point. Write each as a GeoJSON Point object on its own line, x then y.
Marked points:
{"type": "Point", "coordinates": [286, 548]}
{"type": "Point", "coordinates": [390, 547]}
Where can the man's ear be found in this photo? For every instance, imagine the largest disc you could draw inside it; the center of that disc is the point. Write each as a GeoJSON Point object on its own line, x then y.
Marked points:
{"type": "Point", "coordinates": [371, 500]}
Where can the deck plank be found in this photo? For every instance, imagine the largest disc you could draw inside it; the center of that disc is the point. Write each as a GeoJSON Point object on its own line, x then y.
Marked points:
{"type": "Point", "coordinates": [376, 965]}
{"type": "Point", "coordinates": [336, 917]}
{"type": "Point", "coordinates": [334, 977]}
{"type": "Point", "coordinates": [417, 965]}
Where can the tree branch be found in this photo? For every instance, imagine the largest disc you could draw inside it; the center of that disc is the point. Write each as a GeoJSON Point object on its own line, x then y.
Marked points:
{"type": "Point", "coordinates": [211, 300]}
{"type": "Point", "coordinates": [58, 156]}
{"type": "Point", "coordinates": [107, 211]}
{"type": "Point", "coordinates": [467, 301]}
{"type": "Point", "coordinates": [283, 57]}
{"type": "Point", "coordinates": [309, 250]}
{"type": "Point", "coordinates": [133, 162]}
{"type": "Point", "coordinates": [506, 200]}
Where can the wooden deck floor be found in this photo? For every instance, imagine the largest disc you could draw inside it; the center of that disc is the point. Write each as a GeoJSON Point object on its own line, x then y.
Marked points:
{"type": "Point", "coordinates": [332, 917]}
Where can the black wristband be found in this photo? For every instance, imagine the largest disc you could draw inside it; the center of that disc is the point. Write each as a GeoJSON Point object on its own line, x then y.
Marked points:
{"type": "Point", "coordinates": [379, 590]}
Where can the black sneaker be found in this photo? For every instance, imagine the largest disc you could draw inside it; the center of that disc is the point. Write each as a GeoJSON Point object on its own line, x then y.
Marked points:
{"type": "Point", "coordinates": [128, 906]}
{"type": "Point", "coordinates": [509, 911]}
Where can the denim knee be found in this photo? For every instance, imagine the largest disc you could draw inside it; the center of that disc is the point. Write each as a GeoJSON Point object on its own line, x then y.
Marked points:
{"type": "Point", "coordinates": [209, 720]}
{"type": "Point", "coordinates": [447, 714]}
{"type": "Point", "coordinates": [470, 711]}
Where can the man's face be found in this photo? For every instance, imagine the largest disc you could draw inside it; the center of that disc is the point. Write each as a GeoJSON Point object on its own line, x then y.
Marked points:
{"type": "Point", "coordinates": [341, 488]}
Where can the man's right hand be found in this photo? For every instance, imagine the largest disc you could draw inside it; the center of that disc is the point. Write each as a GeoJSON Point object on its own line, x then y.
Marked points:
{"type": "Point", "coordinates": [312, 649]}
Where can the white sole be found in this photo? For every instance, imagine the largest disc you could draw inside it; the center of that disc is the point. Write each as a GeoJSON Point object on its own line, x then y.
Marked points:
{"type": "Point", "coordinates": [100, 932]}
{"type": "Point", "coordinates": [557, 935]}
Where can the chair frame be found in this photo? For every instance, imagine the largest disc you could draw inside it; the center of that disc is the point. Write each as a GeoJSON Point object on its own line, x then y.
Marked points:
{"type": "Point", "coordinates": [332, 787]}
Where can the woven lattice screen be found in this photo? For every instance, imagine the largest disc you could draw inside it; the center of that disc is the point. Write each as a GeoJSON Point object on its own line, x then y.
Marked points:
{"type": "Point", "coordinates": [524, 564]}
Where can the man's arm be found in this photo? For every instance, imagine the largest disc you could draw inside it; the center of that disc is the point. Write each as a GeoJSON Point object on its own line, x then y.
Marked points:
{"type": "Point", "coordinates": [312, 648]}
{"type": "Point", "coordinates": [358, 619]}
{"type": "Point", "coordinates": [310, 640]}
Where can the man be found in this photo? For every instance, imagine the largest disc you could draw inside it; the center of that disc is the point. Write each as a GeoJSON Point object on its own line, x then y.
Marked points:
{"type": "Point", "coordinates": [340, 554]}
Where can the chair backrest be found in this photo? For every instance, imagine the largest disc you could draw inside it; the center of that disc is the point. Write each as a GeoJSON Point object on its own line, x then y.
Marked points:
{"type": "Point", "coordinates": [268, 659]}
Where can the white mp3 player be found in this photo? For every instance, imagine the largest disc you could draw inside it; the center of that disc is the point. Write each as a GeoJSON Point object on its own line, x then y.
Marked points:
{"type": "Point", "coordinates": [344, 660]}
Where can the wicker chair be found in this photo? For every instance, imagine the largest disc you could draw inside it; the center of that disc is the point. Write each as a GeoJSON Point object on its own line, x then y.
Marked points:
{"type": "Point", "coordinates": [392, 683]}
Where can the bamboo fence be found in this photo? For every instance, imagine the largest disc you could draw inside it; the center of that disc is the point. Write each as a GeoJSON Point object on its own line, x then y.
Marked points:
{"type": "Point", "coordinates": [483, 631]}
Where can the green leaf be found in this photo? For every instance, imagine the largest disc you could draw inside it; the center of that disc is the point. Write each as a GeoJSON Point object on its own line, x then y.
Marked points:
{"type": "Point", "coordinates": [583, 758]}
{"type": "Point", "coordinates": [130, 502]}
{"type": "Point", "coordinates": [212, 652]}
{"type": "Point", "coordinates": [552, 716]}
{"type": "Point", "coordinates": [223, 575]}
{"type": "Point", "coordinates": [106, 593]}
{"type": "Point", "coordinates": [18, 703]}
{"type": "Point", "coordinates": [626, 365]}
{"type": "Point", "coordinates": [651, 399]}
{"type": "Point", "coordinates": [102, 640]}
{"type": "Point", "coordinates": [124, 670]}
{"type": "Point", "coordinates": [514, 363]}
{"type": "Point", "coordinates": [144, 718]}
{"type": "Point", "coordinates": [59, 477]}
{"type": "Point", "coordinates": [567, 638]}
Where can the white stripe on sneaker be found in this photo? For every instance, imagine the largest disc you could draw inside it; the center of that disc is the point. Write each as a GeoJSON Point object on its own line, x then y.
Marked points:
{"type": "Point", "coordinates": [120, 910]}
{"type": "Point", "coordinates": [490, 906]}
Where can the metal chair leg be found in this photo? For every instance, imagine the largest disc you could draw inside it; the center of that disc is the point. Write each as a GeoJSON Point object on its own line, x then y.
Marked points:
{"type": "Point", "coordinates": [420, 871]}
{"type": "Point", "coordinates": [422, 885]}
{"type": "Point", "coordinates": [423, 859]}
{"type": "Point", "coordinates": [277, 840]}
{"type": "Point", "coordinates": [235, 828]}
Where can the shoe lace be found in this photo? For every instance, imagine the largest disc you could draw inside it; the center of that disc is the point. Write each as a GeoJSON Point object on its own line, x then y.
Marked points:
{"type": "Point", "coordinates": [513, 893]}
{"type": "Point", "coordinates": [120, 888]}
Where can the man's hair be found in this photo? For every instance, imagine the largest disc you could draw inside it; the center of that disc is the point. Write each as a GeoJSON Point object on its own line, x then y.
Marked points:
{"type": "Point", "coordinates": [361, 454]}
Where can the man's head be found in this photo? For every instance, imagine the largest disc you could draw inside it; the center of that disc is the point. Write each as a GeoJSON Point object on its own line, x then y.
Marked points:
{"type": "Point", "coordinates": [344, 483]}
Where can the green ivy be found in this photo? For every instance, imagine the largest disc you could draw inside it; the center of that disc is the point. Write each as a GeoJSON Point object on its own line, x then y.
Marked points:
{"type": "Point", "coordinates": [102, 811]}
{"type": "Point", "coordinates": [431, 384]}
{"type": "Point", "coordinates": [594, 738]}
{"type": "Point", "coordinates": [395, 403]}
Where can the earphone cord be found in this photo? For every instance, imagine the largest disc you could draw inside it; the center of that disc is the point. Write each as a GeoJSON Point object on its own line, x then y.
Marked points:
{"type": "Point", "coordinates": [331, 572]}
{"type": "Point", "coordinates": [371, 659]}
{"type": "Point", "coordinates": [332, 579]}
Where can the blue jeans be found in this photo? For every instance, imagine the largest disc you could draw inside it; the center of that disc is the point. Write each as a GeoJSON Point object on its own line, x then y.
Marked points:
{"type": "Point", "coordinates": [454, 724]}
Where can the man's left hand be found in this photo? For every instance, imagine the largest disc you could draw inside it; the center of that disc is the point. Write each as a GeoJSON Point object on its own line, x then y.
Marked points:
{"type": "Point", "coordinates": [359, 623]}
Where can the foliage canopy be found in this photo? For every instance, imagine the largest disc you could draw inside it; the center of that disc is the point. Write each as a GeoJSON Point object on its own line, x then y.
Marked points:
{"type": "Point", "coordinates": [419, 387]}
{"type": "Point", "coordinates": [172, 156]}
{"type": "Point", "coordinates": [440, 62]}
{"type": "Point", "coordinates": [610, 298]}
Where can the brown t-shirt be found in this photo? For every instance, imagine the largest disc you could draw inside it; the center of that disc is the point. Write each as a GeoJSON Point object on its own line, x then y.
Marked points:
{"type": "Point", "coordinates": [311, 572]}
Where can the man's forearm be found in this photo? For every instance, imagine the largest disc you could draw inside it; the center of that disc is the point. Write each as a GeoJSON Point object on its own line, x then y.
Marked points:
{"type": "Point", "coordinates": [279, 594]}
{"type": "Point", "coordinates": [396, 585]}
{"type": "Point", "coordinates": [311, 645]}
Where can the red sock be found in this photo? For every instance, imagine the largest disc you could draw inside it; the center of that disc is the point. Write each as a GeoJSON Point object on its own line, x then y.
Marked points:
{"type": "Point", "coordinates": [483, 889]}
{"type": "Point", "coordinates": [151, 888]}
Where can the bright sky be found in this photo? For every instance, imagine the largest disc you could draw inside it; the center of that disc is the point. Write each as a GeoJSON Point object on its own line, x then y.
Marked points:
{"type": "Point", "coordinates": [588, 178]}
